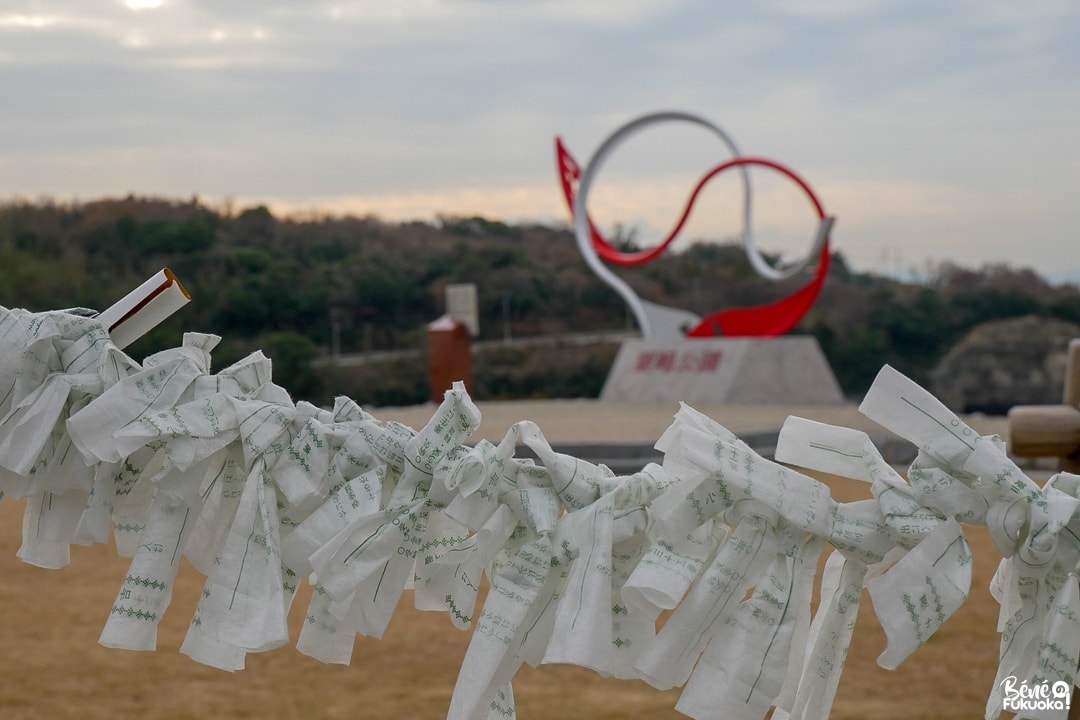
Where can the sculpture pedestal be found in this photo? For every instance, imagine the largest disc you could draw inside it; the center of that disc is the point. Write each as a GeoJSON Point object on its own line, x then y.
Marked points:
{"type": "Point", "coordinates": [786, 370]}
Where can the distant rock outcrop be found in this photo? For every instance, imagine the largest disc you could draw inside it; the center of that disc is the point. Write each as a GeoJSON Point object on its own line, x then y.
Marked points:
{"type": "Point", "coordinates": [1002, 363]}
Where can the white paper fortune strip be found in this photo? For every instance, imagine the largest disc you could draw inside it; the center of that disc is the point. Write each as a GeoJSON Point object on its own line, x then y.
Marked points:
{"type": "Point", "coordinates": [259, 491]}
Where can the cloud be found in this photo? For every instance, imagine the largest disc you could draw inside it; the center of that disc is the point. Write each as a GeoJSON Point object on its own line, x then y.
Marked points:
{"type": "Point", "coordinates": [927, 119]}
{"type": "Point", "coordinates": [139, 5]}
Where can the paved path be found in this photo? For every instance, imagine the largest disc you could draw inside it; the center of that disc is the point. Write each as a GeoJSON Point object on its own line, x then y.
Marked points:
{"type": "Point", "coordinates": [622, 435]}
{"type": "Point", "coordinates": [593, 421]}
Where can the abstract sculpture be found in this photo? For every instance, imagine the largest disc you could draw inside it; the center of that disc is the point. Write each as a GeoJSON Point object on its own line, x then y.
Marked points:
{"type": "Point", "coordinates": [662, 322]}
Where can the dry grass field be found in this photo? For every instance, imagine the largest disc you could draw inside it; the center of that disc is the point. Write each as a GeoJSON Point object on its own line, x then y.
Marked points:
{"type": "Point", "coordinates": [52, 666]}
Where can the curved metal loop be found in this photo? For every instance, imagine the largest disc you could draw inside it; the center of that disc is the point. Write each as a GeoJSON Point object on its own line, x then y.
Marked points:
{"type": "Point", "coordinates": [757, 260]}
{"type": "Point", "coordinates": [608, 147]}
{"type": "Point", "coordinates": [770, 319]}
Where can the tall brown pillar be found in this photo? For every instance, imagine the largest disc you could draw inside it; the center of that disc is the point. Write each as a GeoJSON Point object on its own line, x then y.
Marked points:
{"type": "Point", "coordinates": [449, 356]}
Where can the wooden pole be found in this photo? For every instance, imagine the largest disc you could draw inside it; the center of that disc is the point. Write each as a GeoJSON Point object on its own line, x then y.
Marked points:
{"type": "Point", "coordinates": [1070, 462]}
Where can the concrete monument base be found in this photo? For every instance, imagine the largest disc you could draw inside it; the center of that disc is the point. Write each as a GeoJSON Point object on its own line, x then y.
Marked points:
{"type": "Point", "coordinates": [786, 370]}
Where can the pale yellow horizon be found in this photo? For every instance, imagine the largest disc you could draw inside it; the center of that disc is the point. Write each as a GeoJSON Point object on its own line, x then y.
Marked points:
{"type": "Point", "coordinates": [782, 220]}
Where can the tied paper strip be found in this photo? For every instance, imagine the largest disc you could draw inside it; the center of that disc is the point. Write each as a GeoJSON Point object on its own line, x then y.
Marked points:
{"type": "Point", "coordinates": [258, 491]}
{"type": "Point", "coordinates": [915, 596]}
{"type": "Point", "coordinates": [368, 563]}
{"type": "Point", "coordinates": [744, 670]}
{"type": "Point", "coordinates": [1032, 527]}
{"type": "Point", "coordinates": [668, 662]}
{"type": "Point", "coordinates": [865, 545]}
{"type": "Point", "coordinates": [918, 594]}
{"type": "Point", "coordinates": [243, 606]}
{"type": "Point", "coordinates": [856, 528]}
{"type": "Point", "coordinates": [147, 587]}
{"type": "Point", "coordinates": [57, 364]}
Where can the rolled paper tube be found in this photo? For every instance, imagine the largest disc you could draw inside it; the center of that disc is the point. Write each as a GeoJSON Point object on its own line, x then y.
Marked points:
{"type": "Point", "coordinates": [144, 308]}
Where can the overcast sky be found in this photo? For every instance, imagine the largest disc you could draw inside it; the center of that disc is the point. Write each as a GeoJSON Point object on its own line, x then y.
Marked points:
{"type": "Point", "coordinates": [933, 131]}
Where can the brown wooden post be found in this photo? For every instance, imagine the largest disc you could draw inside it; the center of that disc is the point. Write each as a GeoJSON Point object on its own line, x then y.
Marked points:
{"type": "Point", "coordinates": [449, 356]}
{"type": "Point", "coordinates": [1071, 462]}
{"type": "Point", "coordinates": [1071, 396]}
{"type": "Point", "coordinates": [1053, 430]}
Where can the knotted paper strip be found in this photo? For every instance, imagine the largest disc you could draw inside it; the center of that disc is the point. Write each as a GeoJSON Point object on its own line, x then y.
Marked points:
{"type": "Point", "coordinates": [258, 492]}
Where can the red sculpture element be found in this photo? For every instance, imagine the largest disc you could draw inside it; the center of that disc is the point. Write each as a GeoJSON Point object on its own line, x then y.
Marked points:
{"type": "Point", "coordinates": [774, 318]}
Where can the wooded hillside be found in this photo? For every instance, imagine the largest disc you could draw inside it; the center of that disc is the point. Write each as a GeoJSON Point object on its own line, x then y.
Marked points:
{"type": "Point", "coordinates": [283, 284]}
